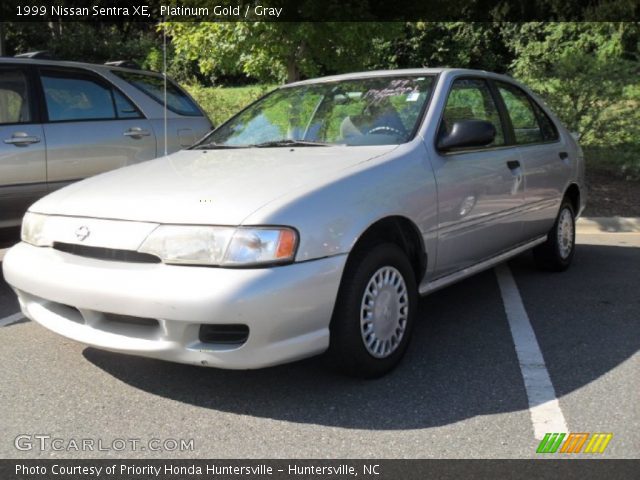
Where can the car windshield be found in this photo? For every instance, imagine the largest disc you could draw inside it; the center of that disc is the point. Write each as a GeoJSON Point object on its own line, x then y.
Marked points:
{"type": "Point", "coordinates": [365, 111]}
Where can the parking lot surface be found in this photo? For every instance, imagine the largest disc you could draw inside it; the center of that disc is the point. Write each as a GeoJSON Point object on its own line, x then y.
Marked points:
{"type": "Point", "coordinates": [459, 393]}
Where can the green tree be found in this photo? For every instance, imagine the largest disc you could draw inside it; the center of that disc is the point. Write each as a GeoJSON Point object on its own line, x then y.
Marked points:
{"type": "Point", "coordinates": [69, 40]}
{"type": "Point", "coordinates": [587, 72]}
{"type": "Point", "coordinates": [277, 51]}
{"type": "Point", "coordinates": [447, 44]}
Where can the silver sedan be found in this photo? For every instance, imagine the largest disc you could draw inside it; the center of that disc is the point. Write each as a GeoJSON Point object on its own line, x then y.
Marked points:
{"type": "Point", "coordinates": [310, 222]}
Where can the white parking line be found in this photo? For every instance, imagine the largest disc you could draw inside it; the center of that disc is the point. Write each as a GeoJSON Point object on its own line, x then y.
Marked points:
{"type": "Point", "coordinates": [6, 321]}
{"type": "Point", "coordinates": [544, 408]}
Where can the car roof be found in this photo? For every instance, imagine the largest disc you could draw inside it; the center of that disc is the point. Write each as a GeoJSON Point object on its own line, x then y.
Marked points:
{"type": "Point", "coordinates": [97, 67]}
{"type": "Point", "coordinates": [399, 72]}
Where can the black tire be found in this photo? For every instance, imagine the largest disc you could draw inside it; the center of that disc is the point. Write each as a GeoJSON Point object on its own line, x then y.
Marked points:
{"type": "Point", "coordinates": [551, 255]}
{"type": "Point", "coordinates": [347, 350]}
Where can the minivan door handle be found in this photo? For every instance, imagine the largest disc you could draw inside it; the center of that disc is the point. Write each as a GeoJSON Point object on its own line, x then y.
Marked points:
{"type": "Point", "coordinates": [563, 155]}
{"type": "Point", "coordinates": [513, 164]}
{"type": "Point", "coordinates": [136, 132]}
{"type": "Point", "coordinates": [21, 139]}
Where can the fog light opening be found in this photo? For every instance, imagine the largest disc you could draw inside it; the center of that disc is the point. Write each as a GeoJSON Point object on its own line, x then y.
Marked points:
{"type": "Point", "coordinates": [230, 334]}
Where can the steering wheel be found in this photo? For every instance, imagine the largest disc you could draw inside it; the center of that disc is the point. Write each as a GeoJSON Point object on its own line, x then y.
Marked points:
{"type": "Point", "coordinates": [385, 129]}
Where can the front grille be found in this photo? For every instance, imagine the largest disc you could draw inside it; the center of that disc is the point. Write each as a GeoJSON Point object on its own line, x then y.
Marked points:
{"type": "Point", "coordinates": [230, 334]}
{"type": "Point", "coordinates": [106, 253]}
{"type": "Point", "coordinates": [129, 320]}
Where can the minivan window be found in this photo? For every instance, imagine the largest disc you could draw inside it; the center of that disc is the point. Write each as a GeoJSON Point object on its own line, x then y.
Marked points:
{"type": "Point", "coordinates": [14, 97]}
{"type": "Point", "coordinates": [471, 99]}
{"type": "Point", "coordinates": [71, 98]}
{"type": "Point", "coordinates": [153, 87]}
{"type": "Point", "coordinates": [124, 107]}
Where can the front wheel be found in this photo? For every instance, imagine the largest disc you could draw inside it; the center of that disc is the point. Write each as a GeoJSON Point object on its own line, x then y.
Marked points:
{"type": "Point", "coordinates": [374, 313]}
{"type": "Point", "coordinates": [557, 252]}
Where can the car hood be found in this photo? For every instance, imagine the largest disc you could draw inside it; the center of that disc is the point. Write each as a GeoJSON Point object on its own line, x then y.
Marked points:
{"type": "Point", "coordinates": [203, 186]}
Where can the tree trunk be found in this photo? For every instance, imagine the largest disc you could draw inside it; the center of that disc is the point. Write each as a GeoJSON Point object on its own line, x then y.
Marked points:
{"type": "Point", "coordinates": [293, 72]}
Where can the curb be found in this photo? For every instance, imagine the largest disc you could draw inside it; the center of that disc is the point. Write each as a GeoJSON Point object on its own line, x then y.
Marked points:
{"type": "Point", "coordinates": [590, 225]}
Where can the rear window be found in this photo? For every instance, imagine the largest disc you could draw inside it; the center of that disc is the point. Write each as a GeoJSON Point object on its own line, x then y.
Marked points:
{"type": "Point", "coordinates": [153, 86]}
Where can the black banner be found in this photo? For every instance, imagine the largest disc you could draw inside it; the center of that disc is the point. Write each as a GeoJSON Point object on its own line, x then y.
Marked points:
{"type": "Point", "coordinates": [320, 11]}
{"type": "Point", "coordinates": [319, 469]}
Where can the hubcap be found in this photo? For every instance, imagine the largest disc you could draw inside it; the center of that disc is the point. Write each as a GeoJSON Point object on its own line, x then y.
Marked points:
{"type": "Point", "coordinates": [565, 233]}
{"type": "Point", "coordinates": [384, 312]}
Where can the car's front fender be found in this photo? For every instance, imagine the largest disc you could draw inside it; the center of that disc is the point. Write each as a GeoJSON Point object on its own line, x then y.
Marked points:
{"type": "Point", "coordinates": [333, 215]}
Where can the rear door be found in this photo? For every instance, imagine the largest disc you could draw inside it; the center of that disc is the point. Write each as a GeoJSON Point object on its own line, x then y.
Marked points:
{"type": "Point", "coordinates": [91, 126]}
{"type": "Point", "coordinates": [480, 191]}
{"type": "Point", "coordinates": [186, 122]}
{"type": "Point", "coordinates": [546, 160]}
{"type": "Point", "coordinates": [23, 173]}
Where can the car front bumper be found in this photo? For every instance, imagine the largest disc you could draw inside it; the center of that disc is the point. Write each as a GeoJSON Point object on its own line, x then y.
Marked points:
{"type": "Point", "coordinates": [287, 308]}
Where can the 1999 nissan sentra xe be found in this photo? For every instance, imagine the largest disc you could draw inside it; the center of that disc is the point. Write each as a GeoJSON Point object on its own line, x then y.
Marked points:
{"type": "Point", "coordinates": [309, 222]}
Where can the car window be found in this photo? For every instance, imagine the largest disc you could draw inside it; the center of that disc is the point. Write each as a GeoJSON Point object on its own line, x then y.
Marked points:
{"type": "Point", "coordinates": [14, 97]}
{"type": "Point", "coordinates": [525, 120]}
{"type": "Point", "coordinates": [76, 98]}
{"type": "Point", "coordinates": [549, 131]}
{"type": "Point", "coordinates": [124, 107]}
{"type": "Point", "coordinates": [471, 99]}
{"type": "Point", "coordinates": [153, 87]}
{"type": "Point", "coordinates": [364, 111]}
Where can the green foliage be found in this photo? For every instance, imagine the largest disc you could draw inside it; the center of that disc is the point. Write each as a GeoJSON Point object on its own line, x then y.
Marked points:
{"type": "Point", "coordinates": [84, 42]}
{"type": "Point", "coordinates": [579, 69]}
{"type": "Point", "coordinates": [274, 52]}
{"type": "Point", "coordinates": [222, 103]}
{"type": "Point", "coordinates": [588, 74]}
{"type": "Point", "coordinates": [446, 44]}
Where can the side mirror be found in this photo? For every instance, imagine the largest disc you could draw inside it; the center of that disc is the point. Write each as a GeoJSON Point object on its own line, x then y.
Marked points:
{"type": "Point", "coordinates": [468, 133]}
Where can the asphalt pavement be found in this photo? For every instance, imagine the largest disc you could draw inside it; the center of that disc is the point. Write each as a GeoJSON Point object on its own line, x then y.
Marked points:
{"type": "Point", "coordinates": [459, 393]}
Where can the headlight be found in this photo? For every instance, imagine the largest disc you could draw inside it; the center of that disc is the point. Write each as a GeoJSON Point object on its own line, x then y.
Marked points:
{"type": "Point", "coordinates": [223, 246]}
{"type": "Point", "coordinates": [261, 245]}
{"type": "Point", "coordinates": [34, 231]}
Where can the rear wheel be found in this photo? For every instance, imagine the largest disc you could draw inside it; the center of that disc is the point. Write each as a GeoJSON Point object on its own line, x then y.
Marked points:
{"type": "Point", "coordinates": [557, 252]}
{"type": "Point", "coordinates": [374, 313]}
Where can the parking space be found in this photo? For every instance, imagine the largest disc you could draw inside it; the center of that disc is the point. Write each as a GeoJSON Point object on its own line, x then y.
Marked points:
{"type": "Point", "coordinates": [459, 392]}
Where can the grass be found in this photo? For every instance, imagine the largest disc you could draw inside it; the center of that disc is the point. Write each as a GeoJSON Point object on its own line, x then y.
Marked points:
{"type": "Point", "coordinates": [221, 103]}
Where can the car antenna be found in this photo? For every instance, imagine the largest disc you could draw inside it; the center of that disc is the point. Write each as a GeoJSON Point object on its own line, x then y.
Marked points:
{"type": "Point", "coordinates": [164, 76]}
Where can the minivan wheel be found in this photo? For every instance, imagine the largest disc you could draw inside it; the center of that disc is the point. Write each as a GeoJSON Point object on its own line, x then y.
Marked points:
{"type": "Point", "coordinates": [374, 313]}
{"type": "Point", "coordinates": [557, 252]}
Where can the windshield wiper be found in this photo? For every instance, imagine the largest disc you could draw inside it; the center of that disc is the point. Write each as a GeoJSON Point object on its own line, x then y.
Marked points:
{"type": "Point", "coordinates": [290, 143]}
{"type": "Point", "coordinates": [214, 145]}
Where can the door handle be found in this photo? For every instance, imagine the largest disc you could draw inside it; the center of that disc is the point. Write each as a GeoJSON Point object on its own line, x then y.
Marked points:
{"type": "Point", "coordinates": [21, 139]}
{"type": "Point", "coordinates": [513, 164]}
{"type": "Point", "coordinates": [136, 132]}
{"type": "Point", "coordinates": [563, 155]}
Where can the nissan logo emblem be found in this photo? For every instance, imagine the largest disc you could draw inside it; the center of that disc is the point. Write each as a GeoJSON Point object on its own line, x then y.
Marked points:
{"type": "Point", "coordinates": [82, 233]}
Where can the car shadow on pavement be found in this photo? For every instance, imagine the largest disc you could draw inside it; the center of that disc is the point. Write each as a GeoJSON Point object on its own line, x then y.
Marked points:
{"type": "Point", "coordinates": [586, 319]}
{"type": "Point", "coordinates": [9, 236]}
{"type": "Point", "coordinates": [461, 363]}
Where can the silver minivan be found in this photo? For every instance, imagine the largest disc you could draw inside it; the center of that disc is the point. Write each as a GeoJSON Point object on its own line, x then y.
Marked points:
{"type": "Point", "coordinates": [64, 121]}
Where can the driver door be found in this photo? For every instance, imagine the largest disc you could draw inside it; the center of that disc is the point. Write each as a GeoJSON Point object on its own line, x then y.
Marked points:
{"type": "Point", "coordinates": [480, 190]}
